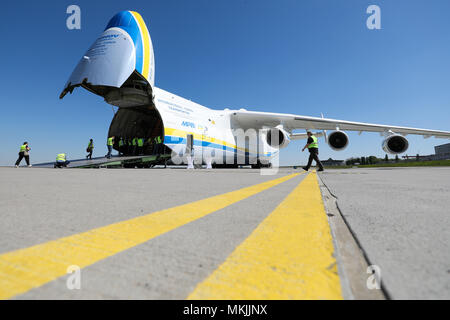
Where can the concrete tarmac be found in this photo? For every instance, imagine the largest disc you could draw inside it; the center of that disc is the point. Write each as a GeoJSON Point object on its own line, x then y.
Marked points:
{"type": "Point", "coordinates": [399, 216]}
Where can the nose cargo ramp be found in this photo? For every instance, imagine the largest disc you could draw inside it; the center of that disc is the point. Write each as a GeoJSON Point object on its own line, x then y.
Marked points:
{"type": "Point", "coordinates": [129, 162]}
{"type": "Point", "coordinates": [120, 65]}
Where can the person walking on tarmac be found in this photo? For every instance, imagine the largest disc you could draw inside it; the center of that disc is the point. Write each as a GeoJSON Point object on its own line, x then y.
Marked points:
{"type": "Point", "coordinates": [61, 161]}
{"type": "Point", "coordinates": [313, 148]}
{"type": "Point", "coordinates": [89, 149]}
{"type": "Point", "coordinates": [110, 144]}
{"type": "Point", "coordinates": [24, 153]}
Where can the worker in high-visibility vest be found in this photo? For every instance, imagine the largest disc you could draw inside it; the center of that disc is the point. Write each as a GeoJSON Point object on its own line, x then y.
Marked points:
{"type": "Point", "coordinates": [90, 149]}
{"type": "Point", "coordinates": [140, 144]}
{"type": "Point", "coordinates": [121, 146]}
{"type": "Point", "coordinates": [110, 144]}
{"type": "Point", "coordinates": [313, 148]}
{"type": "Point", "coordinates": [134, 143]}
{"type": "Point", "coordinates": [129, 147]}
{"type": "Point", "coordinates": [61, 161]}
{"type": "Point", "coordinates": [159, 143]}
{"type": "Point", "coordinates": [150, 145]}
{"type": "Point", "coordinates": [24, 153]}
{"type": "Point", "coordinates": [157, 146]}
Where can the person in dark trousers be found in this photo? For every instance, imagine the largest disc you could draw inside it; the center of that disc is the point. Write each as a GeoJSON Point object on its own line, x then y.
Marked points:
{"type": "Point", "coordinates": [313, 148]}
{"type": "Point", "coordinates": [134, 142]}
{"type": "Point", "coordinates": [24, 153]}
{"type": "Point", "coordinates": [121, 147]}
{"type": "Point", "coordinates": [140, 143]}
{"type": "Point", "coordinates": [61, 161]}
{"type": "Point", "coordinates": [110, 144]}
{"type": "Point", "coordinates": [158, 146]}
{"type": "Point", "coordinates": [89, 149]}
{"type": "Point", "coordinates": [129, 147]}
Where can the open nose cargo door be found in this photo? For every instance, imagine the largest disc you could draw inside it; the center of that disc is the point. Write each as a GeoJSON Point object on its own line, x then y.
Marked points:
{"type": "Point", "coordinates": [120, 65]}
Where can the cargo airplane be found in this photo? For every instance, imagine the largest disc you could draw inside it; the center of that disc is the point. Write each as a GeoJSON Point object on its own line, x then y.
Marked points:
{"type": "Point", "coordinates": [120, 67]}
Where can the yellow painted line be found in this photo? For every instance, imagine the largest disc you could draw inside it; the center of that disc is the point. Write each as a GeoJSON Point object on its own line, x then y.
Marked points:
{"type": "Point", "coordinates": [25, 269]}
{"type": "Point", "coordinates": [288, 256]}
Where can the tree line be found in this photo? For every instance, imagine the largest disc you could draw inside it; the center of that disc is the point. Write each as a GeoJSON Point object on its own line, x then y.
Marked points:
{"type": "Point", "coordinates": [370, 160]}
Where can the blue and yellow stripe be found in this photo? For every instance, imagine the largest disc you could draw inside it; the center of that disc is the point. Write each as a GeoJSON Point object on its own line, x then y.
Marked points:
{"type": "Point", "coordinates": [177, 136]}
{"type": "Point", "coordinates": [132, 23]}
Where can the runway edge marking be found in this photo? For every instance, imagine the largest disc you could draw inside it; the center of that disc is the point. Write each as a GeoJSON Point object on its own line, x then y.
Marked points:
{"type": "Point", "coordinates": [288, 256]}
{"type": "Point", "coordinates": [28, 268]}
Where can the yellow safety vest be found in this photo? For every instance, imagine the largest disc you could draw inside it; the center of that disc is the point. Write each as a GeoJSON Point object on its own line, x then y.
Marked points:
{"type": "Point", "coordinates": [140, 142]}
{"type": "Point", "coordinates": [314, 144]}
{"type": "Point", "coordinates": [23, 148]}
{"type": "Point", "coordinates": [61, 157]}
{"type": "Point", "coordinates": [110, 141]}
{"type": "Point", "coordinates": [90, 145]}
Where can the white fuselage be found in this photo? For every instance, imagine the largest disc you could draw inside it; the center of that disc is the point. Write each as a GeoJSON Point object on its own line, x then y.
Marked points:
{"type": "Point", "coordinates": [215, 137]}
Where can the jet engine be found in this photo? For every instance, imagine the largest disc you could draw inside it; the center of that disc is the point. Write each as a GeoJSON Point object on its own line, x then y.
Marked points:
{"type": "Point", "coordinates": [395, 144]}
{"type": "Point", "coordinates": [338, 140]}
{"type": "Point", "coordinates": [277, 137]}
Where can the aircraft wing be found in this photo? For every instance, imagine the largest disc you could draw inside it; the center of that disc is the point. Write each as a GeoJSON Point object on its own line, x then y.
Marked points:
{"type": "Point", "coordinates": [259, 120]}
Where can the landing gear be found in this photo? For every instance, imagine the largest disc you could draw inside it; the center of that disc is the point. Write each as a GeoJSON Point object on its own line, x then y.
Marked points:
{"type": "Point", "coordinates": [260, 165]}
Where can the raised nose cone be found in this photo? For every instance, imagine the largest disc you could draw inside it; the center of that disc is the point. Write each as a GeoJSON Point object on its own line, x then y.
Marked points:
{"type": "Point", "coordinates": [122, 54]}
{"type": "Point", "coordinates": [134, 25]}
{"type": "Point", "coordinates": [122, 19]}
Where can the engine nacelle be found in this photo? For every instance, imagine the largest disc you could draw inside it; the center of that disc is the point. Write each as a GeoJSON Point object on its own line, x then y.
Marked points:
{"type": "Point", "coordinates": [338, 140]}
{"type": "Point", "coordinates": [277, 137]}
{"type": "Point", "coordinates": [395, 144]}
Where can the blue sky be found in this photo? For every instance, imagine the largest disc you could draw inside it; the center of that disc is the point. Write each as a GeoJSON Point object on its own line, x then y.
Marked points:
{"type": "Point", "coordinates": [290, 56]}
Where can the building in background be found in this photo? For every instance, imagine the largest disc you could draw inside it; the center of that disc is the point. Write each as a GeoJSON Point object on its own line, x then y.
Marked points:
{"type": "Point", "coordinates": [331, 162]}
{"type": "Point", "coordinates": [442, 152]}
